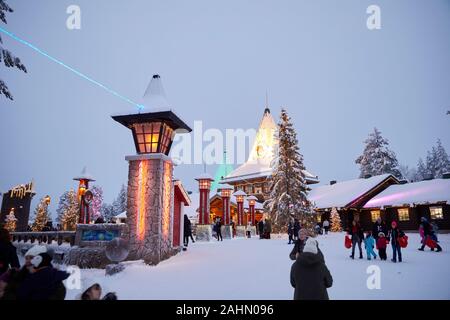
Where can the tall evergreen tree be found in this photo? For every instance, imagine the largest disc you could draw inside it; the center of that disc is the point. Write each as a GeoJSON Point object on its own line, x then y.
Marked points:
{"type": "Point", "coordinates": [288, 190]}
{"type": "Point", "coordinates": [120, 204]}
{"type": "Point", "coordinates": [421, 170]}
{"type": "Point", "coordinates": [96, 204]}
{"type": "Point", "coordinates": [10, 222]}
{"type": "Point", "coordinates": [70, 211]}
{"type": "Point", "coordinates": [9, 60]}
{"type": "Point", "coordinates": [377, 158]}
{"type": "Point", "coordinates": [335, 221]}
{"type": "Point", "coordinates": [107, 212]}
{"type": "Point", "coordinates": [442, 161]}
{"type": "Point", "coordinates": [41, 216]}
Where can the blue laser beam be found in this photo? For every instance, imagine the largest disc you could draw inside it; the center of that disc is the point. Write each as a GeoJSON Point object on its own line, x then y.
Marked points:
{"type": "Point", "coordinates": [78, 73]}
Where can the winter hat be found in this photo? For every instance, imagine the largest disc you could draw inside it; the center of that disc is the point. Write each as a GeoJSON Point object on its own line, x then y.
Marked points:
{"type": "Point", "coordinates": [381, 234]}
{"type": "Point", "coordinates": [311, 246]}
{"type": "Point", "coordinates": [36, 250]}
{"type": "Point", "coordinates": [42, 260]}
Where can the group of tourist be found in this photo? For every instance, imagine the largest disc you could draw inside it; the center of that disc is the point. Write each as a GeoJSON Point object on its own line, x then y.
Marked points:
{"type": "Point", "coordinates": [37, 279]}
{"type": "Point", "coordinates": [380, 237]}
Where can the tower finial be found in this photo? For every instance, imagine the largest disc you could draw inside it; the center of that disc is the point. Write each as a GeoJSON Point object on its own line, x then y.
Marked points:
{"type": "Point", "coordinates": [267, 110]}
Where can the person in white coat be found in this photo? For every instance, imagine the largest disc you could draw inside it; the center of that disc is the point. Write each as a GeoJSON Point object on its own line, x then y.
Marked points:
{"type": "Point", "coordinates": [248, 229]}
{"type": "Point", "coordinates": [326, 226]}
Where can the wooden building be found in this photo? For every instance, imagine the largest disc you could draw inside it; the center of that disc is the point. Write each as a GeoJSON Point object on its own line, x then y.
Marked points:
{"type": "Point", "coordinates": [349, 198]}
{"type": "Point", "coordinates": [407, 203]}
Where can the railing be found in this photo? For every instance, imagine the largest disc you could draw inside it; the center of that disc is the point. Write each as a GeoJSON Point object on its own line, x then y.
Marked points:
{"type": "Point", "coordinates": [46, 237]}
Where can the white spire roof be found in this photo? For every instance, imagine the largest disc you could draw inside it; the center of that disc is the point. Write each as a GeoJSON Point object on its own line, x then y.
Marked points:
{"type": "Point", "coordinates": [84, 175]}
{"type": "Point", "coordinates": [155, 97]}
{"type": "Point", "coordinates": [262, 153]}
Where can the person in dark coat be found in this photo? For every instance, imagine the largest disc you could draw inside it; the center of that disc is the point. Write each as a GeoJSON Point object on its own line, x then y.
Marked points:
{"type": "Point", "coordinates": [300, 244]}
{"type": "Point", "coordinates": [379, 226]}
{"type": "Point", "coordinates": [187, 230]}
{"type": "Point", "coordinates": [309, 274]}
{"type": "Point", "coordinates": [219, 230]}
{"type": "Point", "coordinates": [261, 229]}
{"type": "Point", "coordinates": [45, 283]}
{"type": "Point", "coordinates": [428, 233]}
{"type": "Point", "coordinates": [267, 228]}
{"type": "Point", "coordinates": [8, 253]}
{"type": "Point", "coordinates": [297, 228]}
{"type": "Point", "coordinates": [394, 234]}
{"type": "Point", "coordinates": [357, 237]}
{"type": "Point", "coordinates": [290, 231]}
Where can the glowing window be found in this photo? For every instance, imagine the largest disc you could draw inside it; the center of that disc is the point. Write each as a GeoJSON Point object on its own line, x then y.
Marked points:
{"type": "Point", "coordinates": [436, 213]}
{"type": "Point", "coordinates": [375, 214]}
{"type": "Point", "coordinates": [403, 214]}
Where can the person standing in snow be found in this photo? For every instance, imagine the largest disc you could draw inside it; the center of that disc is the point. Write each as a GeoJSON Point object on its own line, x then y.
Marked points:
{"type": "Point", "coordinates": [248, 229]}
{"type": "Point", "coordinates": [8, 252]}
{"type": "Point", "coordinates": [369, 243]}
{"type": "Point", "coordinates": [381, 246]}
{"type": "Point", "coordinates": [379, 226]}
{"type": "Point", "coordinates": [261, 229]}
{"type": "Point", "coordinates": [290, 230]}
{"type": "Point", "coordinates": [357, 237]}
{"type": "Point", "coordinates": [297, 228]}
{"type": "Point", "coordinates": [394, 234]}
{"type": "Point", "coordinates": [16, 278]}
{"type": "Point", "coordinates": [219, 230]}
{"type": "Point", "coordinates": [428, 233]}
{"type": "Point", "coordinates": [187, 231]}
{"type": "Point", "coordinates": [45, 283]}
{"type": "Point", "coordinates": [267, 229]}
{"type": "Point", "coordinates": [309, 274]}
{"type": "Point", "coordinates": [326, 226]}
{"type": "Point", "coordinates": [300, 244]}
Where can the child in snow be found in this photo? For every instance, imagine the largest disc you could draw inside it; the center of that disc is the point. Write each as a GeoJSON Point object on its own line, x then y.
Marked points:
{"type": "Point", "coordinates": [369, 243]}
{"type": "Point", "coordinates": [381, 246]}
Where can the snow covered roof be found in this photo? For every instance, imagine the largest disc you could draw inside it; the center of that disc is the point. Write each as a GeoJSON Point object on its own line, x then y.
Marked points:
{"type": "Point", "coordinates": [122, 215]}
{"type": "Point", "coordinates": [342, 194]}
{"type": "Point", "coordinates": [204, 176]}
{"type": "Point", "coordinates": [423, 192]}
{"type": "Point", "coordinates": [224, 186]}
{"type": "Point", "coordinates": [84, 175]}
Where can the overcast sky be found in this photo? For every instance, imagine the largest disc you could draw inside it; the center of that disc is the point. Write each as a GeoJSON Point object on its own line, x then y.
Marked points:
{"type": "Point", "coordinates": [336, 78]}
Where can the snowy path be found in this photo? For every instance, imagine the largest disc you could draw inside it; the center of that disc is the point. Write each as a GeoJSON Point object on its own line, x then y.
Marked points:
{"type": "Point", "coordinates": [259, 269]}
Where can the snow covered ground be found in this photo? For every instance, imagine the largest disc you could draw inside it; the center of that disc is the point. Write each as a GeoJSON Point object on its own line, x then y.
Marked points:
{"type": "Point", "coordinates": [259, 269]}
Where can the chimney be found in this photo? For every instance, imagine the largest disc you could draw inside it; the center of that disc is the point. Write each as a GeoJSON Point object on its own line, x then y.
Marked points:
{"type": "Point", "coordinates": [367, 176]}
{"type": "Point", "coordinates": [403, 181]}
{"type": "Point", "coordinates": [446, 175]}
{"type": "Point", "coordinates": [427, 177]}
{"type": "Point", "coordinates": [332, 182]}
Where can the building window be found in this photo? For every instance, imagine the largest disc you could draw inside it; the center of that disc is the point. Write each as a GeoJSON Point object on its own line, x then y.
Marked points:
{"type": "Point", "coordinates": [403, 214]}
{"type": "Point", "coordinates": [258, 189]}
{"type": "Point", "coordinates": [436, 213]}
{"type": "Point", "coordinates": [375, 214]}
{"type": "Point", "coordinates": [266, 188]}
{"type": "Point", "coordinates": [248, 189]}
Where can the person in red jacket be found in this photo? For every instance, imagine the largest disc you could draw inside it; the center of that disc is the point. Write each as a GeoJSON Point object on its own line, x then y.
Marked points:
{"type": "Point", "coordinates": [381, 245]}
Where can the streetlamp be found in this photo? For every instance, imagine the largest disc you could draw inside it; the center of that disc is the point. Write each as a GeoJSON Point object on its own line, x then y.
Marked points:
{"type": "Point", "coordinates": [251, 208]}
{"type": "Point", "coordinates": [203, 230]}
{"type": "Point", "coordinates": [84, 195]}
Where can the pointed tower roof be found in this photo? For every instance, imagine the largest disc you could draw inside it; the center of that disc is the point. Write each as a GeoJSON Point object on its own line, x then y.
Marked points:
{"type": "Point", "coordinates": [262, 153]}
{"type": "Point", "coordinates": [84, 175]}
{"type": "Point", "coordinates": [155, 97]}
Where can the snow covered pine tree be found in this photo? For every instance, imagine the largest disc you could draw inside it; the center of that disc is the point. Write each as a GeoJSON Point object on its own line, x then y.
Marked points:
{"type": "Point", "coordinates": [120, 204]}
{"type": "Point", "coordinates": [41, 216]}
{"type": "Point", "coordinates": [377, 158]}
{"type": "Point", "coordinates": [288, 190]}
{"type": "Point", "coordinates": [96, 204]}
{"type": "Point", "coordinates": [10, 222]}
{"type": "Point", "coordinates": [70, 211]}
{"type": "Point", "coordinates": [335, 221]}
{"type": "Point", "coordinates": [9, 60]}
